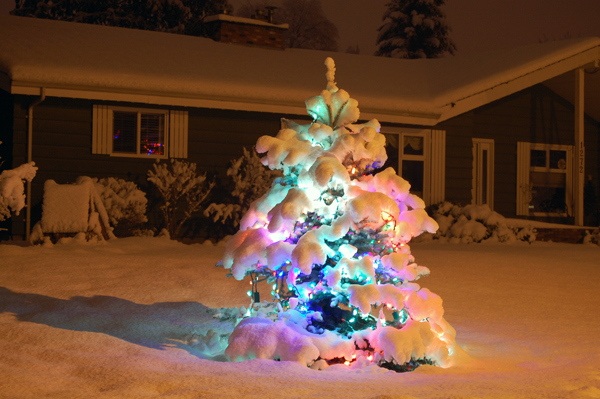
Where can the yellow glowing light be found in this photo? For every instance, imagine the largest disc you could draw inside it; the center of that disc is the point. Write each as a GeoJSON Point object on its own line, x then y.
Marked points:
{"type": "Point", "coordinates": [370, 357]}
{"type": "Point", "coordinates": [347, 363]}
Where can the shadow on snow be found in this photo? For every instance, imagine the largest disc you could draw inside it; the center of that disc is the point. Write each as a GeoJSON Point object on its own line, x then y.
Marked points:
{"type": "Point", "coordinates": [158, 326]}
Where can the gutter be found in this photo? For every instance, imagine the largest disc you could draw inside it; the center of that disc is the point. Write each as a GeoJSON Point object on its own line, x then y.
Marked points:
{"type": "Point", "coordinates": [29, 158]}
{"type": "Point", "coordinates": [570, 57]}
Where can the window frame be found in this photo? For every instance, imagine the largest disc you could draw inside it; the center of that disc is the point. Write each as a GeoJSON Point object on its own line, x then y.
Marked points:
{"type": "Point", "coordinates": [139, 111]}
{"type": "Point", "coordinates": [568, 172]}
{"type": "Point", "coordinates": [425, 157]}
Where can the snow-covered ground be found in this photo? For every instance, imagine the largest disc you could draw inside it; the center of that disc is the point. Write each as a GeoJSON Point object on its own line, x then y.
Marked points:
{"type": "Point", "coordinates": [134, 317]}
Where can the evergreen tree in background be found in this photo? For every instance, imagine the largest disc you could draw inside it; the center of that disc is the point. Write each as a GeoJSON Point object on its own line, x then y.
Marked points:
{"type": "Point", "coordinates": [184, 17]}
{"type": "Point", "coordinates": [414, 29]}
{"type": "Point", "coordinates": [309, 26]}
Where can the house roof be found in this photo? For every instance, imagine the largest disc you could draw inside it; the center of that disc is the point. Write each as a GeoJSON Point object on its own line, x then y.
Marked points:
{"type": "Point", "coordinates": [107, 63]}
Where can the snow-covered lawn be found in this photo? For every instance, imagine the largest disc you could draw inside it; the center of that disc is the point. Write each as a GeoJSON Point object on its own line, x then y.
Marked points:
{"type": "Point", "coordinates": [129, 318]}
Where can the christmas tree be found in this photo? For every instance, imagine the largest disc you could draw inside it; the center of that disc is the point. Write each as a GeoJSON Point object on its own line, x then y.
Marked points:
{"type": "Point", "coordinates": [330, 238]}
{"type": "Point", "coordinates": [414, 29]}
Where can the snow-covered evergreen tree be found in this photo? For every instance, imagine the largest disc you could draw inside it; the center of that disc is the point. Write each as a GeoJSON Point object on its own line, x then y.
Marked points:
{"type": "Point", "coordinates": [330, 237]}
{"type": "Point", "coordinates": [414, 29]}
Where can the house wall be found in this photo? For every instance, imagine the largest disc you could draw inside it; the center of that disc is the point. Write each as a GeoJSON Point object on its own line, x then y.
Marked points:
{"type": "Point", "coordinates": [535, 115]}
{"type": "Point", "coordinates": [6, 159]}
{"type": "Point", "coordinates": [62, 144]}
{"type": "Point", "coordinates": [63, 135]}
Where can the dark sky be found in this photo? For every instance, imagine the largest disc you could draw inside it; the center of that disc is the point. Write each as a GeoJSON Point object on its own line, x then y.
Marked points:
{"type": "Point", "coordinates": [477, 25]}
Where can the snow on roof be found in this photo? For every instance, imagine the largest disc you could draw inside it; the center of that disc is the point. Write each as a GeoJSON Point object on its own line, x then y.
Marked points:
{"type": "Point", "coordinates": [90, 61]}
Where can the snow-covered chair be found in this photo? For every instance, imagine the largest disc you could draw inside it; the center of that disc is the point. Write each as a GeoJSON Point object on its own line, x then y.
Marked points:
{"type": "Point", "coordinates": [69, 209]}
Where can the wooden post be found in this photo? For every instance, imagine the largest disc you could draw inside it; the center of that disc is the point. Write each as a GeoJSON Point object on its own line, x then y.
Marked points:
{"type": "Point", "coordinates": [579, 149]}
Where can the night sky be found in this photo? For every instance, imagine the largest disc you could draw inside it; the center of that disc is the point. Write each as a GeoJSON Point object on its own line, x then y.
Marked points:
{"type": "Point", "coordinates": [477, 25]}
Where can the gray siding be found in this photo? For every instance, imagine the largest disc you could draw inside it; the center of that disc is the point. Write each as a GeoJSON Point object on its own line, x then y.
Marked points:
{"type": "Point", "coordinates": [63, 135]}
{"type": "Point", "coordinates": [535, 115]}
{"type": "Point", "coordinates": [459, 157]}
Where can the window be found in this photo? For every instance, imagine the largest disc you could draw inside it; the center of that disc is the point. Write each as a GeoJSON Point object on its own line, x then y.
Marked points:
{"type": "Point", "coordinates": [545, 179]}
{"type": "Point", "coordinates": [139, 133]}
{"type": "Point", "coordinates": [548, 181]}
{"type": "Point", "coordinates": [134, 132]}
{"type": "Point", "coordinates": [482, 189]}
{"type": "Point", "coordinates": [419, 157]}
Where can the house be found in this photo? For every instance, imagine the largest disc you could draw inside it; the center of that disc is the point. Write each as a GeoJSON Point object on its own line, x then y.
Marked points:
{"type": "Point", "coordinates": [516, 129]}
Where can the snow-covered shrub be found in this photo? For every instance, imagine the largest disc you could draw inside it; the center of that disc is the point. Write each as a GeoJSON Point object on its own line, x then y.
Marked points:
{"type": "Point", "coordinates": [124, 202]}
{"type": "Point", "coordinates": [592, 237]}
{"type": "Point", "coordinates": [475, 223]}
{"type": "Point", "coordinates": [12, 195]}
{"type": "Point", "coordinates": [248, 180]}
{"type": "Point", "coordinates": [177, 182]}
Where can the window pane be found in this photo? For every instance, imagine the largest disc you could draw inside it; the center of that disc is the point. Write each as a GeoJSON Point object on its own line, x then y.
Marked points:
{"type": "Point", "coordinates": [484, 176]}
{"type": "Point", "coordinates": [124, 131]}
{"type": "Point", "coordinates": [152, 134]}
{"type": "Point", "coordinates": [391, 148]}
{"type": "Point", "coordinates": [538, 158]}
{"type": "Point", "coordinates": [548, 192]}
{"type": "Point", "coordinates": [558, 159]}
{"type": "Point", "coordinates": [412, 171]}
{"type": "Point", "coordinates": [413, 145]}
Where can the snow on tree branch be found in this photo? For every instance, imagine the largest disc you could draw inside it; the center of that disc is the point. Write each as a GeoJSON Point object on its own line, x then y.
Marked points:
{"type": "Point", "coordinates": [176, 183]}
{"type": "Point", "coordinates": [12, 196]}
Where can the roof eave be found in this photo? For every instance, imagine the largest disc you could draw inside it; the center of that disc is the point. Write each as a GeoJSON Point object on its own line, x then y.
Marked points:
{"type": "Point", "coordinates": [528, 79]}
{"type": "Point", "coordinates": [178, 100]}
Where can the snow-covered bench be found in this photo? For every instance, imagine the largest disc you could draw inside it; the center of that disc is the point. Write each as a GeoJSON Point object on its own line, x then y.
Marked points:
{"type": "Point", "coordinates": [69, 209]}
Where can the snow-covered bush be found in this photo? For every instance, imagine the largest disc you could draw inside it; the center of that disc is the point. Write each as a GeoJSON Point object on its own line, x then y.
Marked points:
{"type": "Point", "coordinates": [123, 201]}
{"type": "Point", "coordinates": [592, 237]}
{"type": "Point", "coordinates": [475, 223]}
{"type": "Point", "coordinates": [12, 190]}
{"type": "Point", "coordinates": [177, 182]}
{"type": "Point", "coordinates": [249, 179]}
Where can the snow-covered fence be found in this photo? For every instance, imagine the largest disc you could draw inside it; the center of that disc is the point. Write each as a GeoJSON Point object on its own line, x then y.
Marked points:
{"type": "Point", "coordinates": [72, 209]}
{"type": "Point", "coordinates": [179, 183]}
{"type": "Point", "coordinates": [475, 223]}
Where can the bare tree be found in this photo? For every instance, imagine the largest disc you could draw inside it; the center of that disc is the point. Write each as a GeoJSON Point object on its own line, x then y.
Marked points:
{"type": "Point", "coordinates": [309, 27]}
{"type": "Point", "coordinates": [353, 49]}
{"type": "Point", "coordinates": [182, 16]}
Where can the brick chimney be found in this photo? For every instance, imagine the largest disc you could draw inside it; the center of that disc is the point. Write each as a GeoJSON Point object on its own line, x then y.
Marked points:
{"type": "Point", "coordinates": [257, 31]}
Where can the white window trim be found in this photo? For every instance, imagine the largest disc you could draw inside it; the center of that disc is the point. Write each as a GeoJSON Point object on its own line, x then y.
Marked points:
{"type": "Point", "coordinates": [476, 190]}
{"type": "Point", "coordinates": [139, 112]}
{"type": "Point", "coordinates": [176, 132]}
